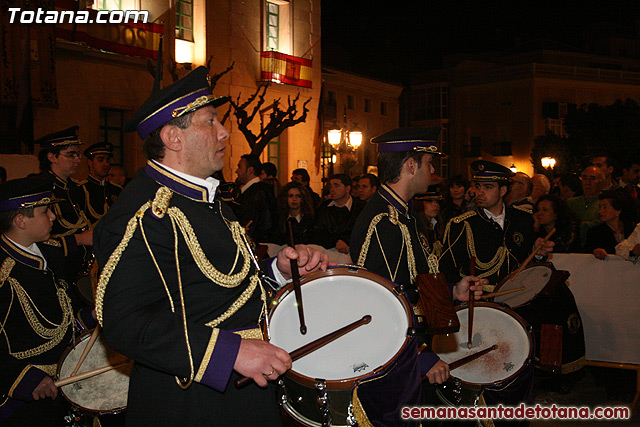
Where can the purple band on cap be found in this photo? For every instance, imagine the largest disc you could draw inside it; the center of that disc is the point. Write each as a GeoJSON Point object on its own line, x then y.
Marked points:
{"type": "Point", "coordinates": [165, 114]}
{"type": "Point", "coordinates": [407, 146]}
{"type": "Point", "coordinates": [25, 201]}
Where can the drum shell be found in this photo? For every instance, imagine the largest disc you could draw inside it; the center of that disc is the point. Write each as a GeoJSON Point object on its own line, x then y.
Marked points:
{"type": "Point", "coordinates": [525, 326]}
{"type": "Point", "coordinates": [299, 395]}
{"type": "Point", "coordinates": [64, 362]}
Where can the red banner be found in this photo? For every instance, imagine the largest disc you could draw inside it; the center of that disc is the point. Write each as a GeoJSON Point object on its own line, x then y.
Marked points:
{"type": "Point", "coordinates": [282, 68]}
{"type": "Point", "coordinates": [134, 39]}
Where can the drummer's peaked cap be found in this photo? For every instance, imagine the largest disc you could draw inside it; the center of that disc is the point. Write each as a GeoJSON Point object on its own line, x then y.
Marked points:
{"type": "Point", "coordinates": [61, 138]}
{"type": "Point", "coordinates": [182, 97]}
{"type": "Point", "coordinates": [409, 139]}
{"type": "Point", "coordinates": [485, 171]}
{"type": "Point", "coordinates": [27, 192]}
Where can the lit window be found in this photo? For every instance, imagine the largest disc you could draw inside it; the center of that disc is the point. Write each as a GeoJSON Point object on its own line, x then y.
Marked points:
{"type": "Point", "coordinates": [273, 26]}
{"type": "Point", "coordinates": [184, 20]}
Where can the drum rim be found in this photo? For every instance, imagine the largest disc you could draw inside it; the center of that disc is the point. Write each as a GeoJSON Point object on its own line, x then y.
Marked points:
{"type": "Point", "coordinates": [547, 264]}
{"type": "Point", "coordinates": [525, 326]}
{"type": "Point", "coordinates": [84, 336]}
{"type": "Point", "coordinates": [354, 271]}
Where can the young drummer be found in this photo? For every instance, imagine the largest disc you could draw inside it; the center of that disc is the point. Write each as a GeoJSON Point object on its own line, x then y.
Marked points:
{"type": "Point", "coordinates": [35, 309]}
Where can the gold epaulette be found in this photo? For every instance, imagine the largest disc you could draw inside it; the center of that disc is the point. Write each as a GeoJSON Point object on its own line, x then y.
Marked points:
{"type": "Point", "coordinates": [5, 269]}
{"type": "Point", "coordinates": [160, 203]}
{"type": "Point", "coordinates": [463, 217]}
{"type": "Point", "coordinates": [523, 209]}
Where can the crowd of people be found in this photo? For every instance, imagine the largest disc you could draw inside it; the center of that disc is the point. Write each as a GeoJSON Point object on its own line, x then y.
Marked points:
{"type": "Point", "coordinates": [182, 294]}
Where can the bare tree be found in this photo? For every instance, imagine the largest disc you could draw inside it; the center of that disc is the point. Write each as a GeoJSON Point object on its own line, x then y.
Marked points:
{"type": "Point", "coordinates": [279, 120]}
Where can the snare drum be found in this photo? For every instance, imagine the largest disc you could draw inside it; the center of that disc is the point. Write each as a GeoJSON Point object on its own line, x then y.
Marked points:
{"type": "Point", "coordinates": [492, 324]}
{"type": "Point", "coordinates": [318, 387]}
{"type": "Point", "coordinates": [105, 393]}
{"type": "Point", "coordinates": [537, 279]}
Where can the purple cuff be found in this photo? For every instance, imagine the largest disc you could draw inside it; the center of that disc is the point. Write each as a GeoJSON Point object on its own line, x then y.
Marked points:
{"type": "Point", "coordinates": [86, 319]}
{"type": "Point", "coordinates": [222, 360]}
{"type": "Point", "coordinates": [23, 391]}
{"type": "Point", "coordinates": [266, 265]}
{"type": "Point", "coordinates": [8, 408]}
{"type": "Point", "coordinates": [426, 360]}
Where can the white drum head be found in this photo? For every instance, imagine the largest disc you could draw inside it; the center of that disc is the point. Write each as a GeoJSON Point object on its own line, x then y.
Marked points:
{"type": "Point", "coordinates": [490, 326]}
{"type": "Point", "coordinates": [102, 393]}
{"type": "Point", "coordinates": [534, 279]}
{"type": "Point", "coordinates": [330, 303]}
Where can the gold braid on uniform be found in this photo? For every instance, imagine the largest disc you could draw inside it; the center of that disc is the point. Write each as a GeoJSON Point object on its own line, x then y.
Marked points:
{"type": "Point", "coordinates": [406, 241]}
{"type": "Point", "coordinates": [160, 207]}
{"type": "Point", "coordinates": [53, 335]}
{"type": "Point", "coordinates": [92, 211]}
{"type": "Point", "coordinates": [489, 267]}
{"type": "Point", "coordinates": [71, 227]}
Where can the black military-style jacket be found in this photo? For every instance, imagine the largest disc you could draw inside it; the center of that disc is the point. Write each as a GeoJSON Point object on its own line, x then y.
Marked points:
{"type": "Point", "coordinates": [37, 321]}
{"type": "Point", "coordinates": [179, 311]}
{"type": "Point", "coordinates": [257, 204]}
{"type": "Point", "coordinates": [498, 251]}
{"type": "Point", "coordinates": [98, 197]}
{"type": "Point", "coordinates": [70, 211]}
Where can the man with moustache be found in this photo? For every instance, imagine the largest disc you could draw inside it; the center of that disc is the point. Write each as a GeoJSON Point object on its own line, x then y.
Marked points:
{"type": "Point", "coordinates": [180, 293]}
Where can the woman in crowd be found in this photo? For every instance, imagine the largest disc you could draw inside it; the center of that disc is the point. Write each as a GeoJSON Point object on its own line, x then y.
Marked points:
{"type": "Point", "coordinates": [454, 199]}
{"type": "Point", "coordinates": [293, 206]}
{"type": "Point", "coordinates": [551, 211]}
{"type": "Point", "coordinates": [427, 207]}
{"type": "Point", "coordinates": [618, 220]}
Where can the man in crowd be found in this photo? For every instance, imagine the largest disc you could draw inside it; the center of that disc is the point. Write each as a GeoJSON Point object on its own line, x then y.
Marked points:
{"type": "Point", "coordinates": [190, 320]}
{"type": "Point", "coordinates": [368, 184]}
{"type": "Point", "coordinates": [586, 206]}
{"type": "Point", "coordinates": [388, 240]}
{"type": "Point", "coordinates": [606, 165]}
{"type": "Point", "coordinates": [630, 177]}
{"type": "Point", "coordinates": [302, 176]}
{"type": "Point", "coordinates": [256, 203]}
{"type": "Point", "coordinates": [269, 175]}
{"type": "Point", "coordinates": [118, 176]}
{"type": "Point", "coordinates": [35, 307]}
{"type": "Point", "coordinates": [99, 192]}
{"type": "Point", "coordinates": [520, 187]}
{"type": "Point", "coordinates": [336, 217]}
{"type": "Point", "coordinates": [541, 187]}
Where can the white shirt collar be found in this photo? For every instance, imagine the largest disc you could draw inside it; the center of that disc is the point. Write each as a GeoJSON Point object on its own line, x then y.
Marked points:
{"type": "Point", "coordinates": [33, 250]}
{"type": "Point", "coordinates": [347, 205]}
{"type": "Point", "coordinates": [497, 218]}
{"type": "Point", "coordinates": [297, 217]}
{"type": "Point", "coordinates": [211, 184]}
{"type": "Point", "coordinates": [249, 184]}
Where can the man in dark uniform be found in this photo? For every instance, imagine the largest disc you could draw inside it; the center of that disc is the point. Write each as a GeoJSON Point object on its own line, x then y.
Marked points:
{"type": "Point", "coordinates": [99, 192]}
{"type": "Point", "coordinates": [499, 237]}
{"type": "Point", "coordinates": [60, 157]}
{"type": "Point", "coordinates": [35, 308]}
{"type": "Point", "coordinates": [388, 239]}
{"type": "Point", "coordinates": [179, 292]}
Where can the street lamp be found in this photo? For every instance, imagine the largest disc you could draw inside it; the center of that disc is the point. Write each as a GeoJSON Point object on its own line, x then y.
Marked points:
{"type": "Point", "coordinates": [343, 139]}
{"type": "Point", "coordinates": [513, 168]}
{"type": "Point", "coordinates": [548, 162]}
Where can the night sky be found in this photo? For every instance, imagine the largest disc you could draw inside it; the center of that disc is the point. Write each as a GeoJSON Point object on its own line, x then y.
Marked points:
{"type": "Point", "coordinates": [390, 39]}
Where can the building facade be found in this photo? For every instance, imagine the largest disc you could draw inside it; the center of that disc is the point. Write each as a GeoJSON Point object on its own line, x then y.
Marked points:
{"type": "Point", "coordinates": [494, 107]}
{"type": "Point", "coordinates": [104, 72]}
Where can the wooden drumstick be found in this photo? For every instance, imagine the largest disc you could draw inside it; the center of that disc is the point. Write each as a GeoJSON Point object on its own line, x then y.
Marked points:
{"type": "Point", "coordinates": [83, 376]}
{"type": "Point", "coordinates": [315, 345]}
{"type": "Point", "coordinates": [472, 272]}
{"type": "Point", "coordinates": [94, 337]}
{"type": "Point", "coordinates": [471, 357]}
{"type": "Point", "coordinates": [295, 275]}
{"type": "Point", "coordinates": [533, 254]}
{"type": "Point", "coordinates": [501, 293]}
